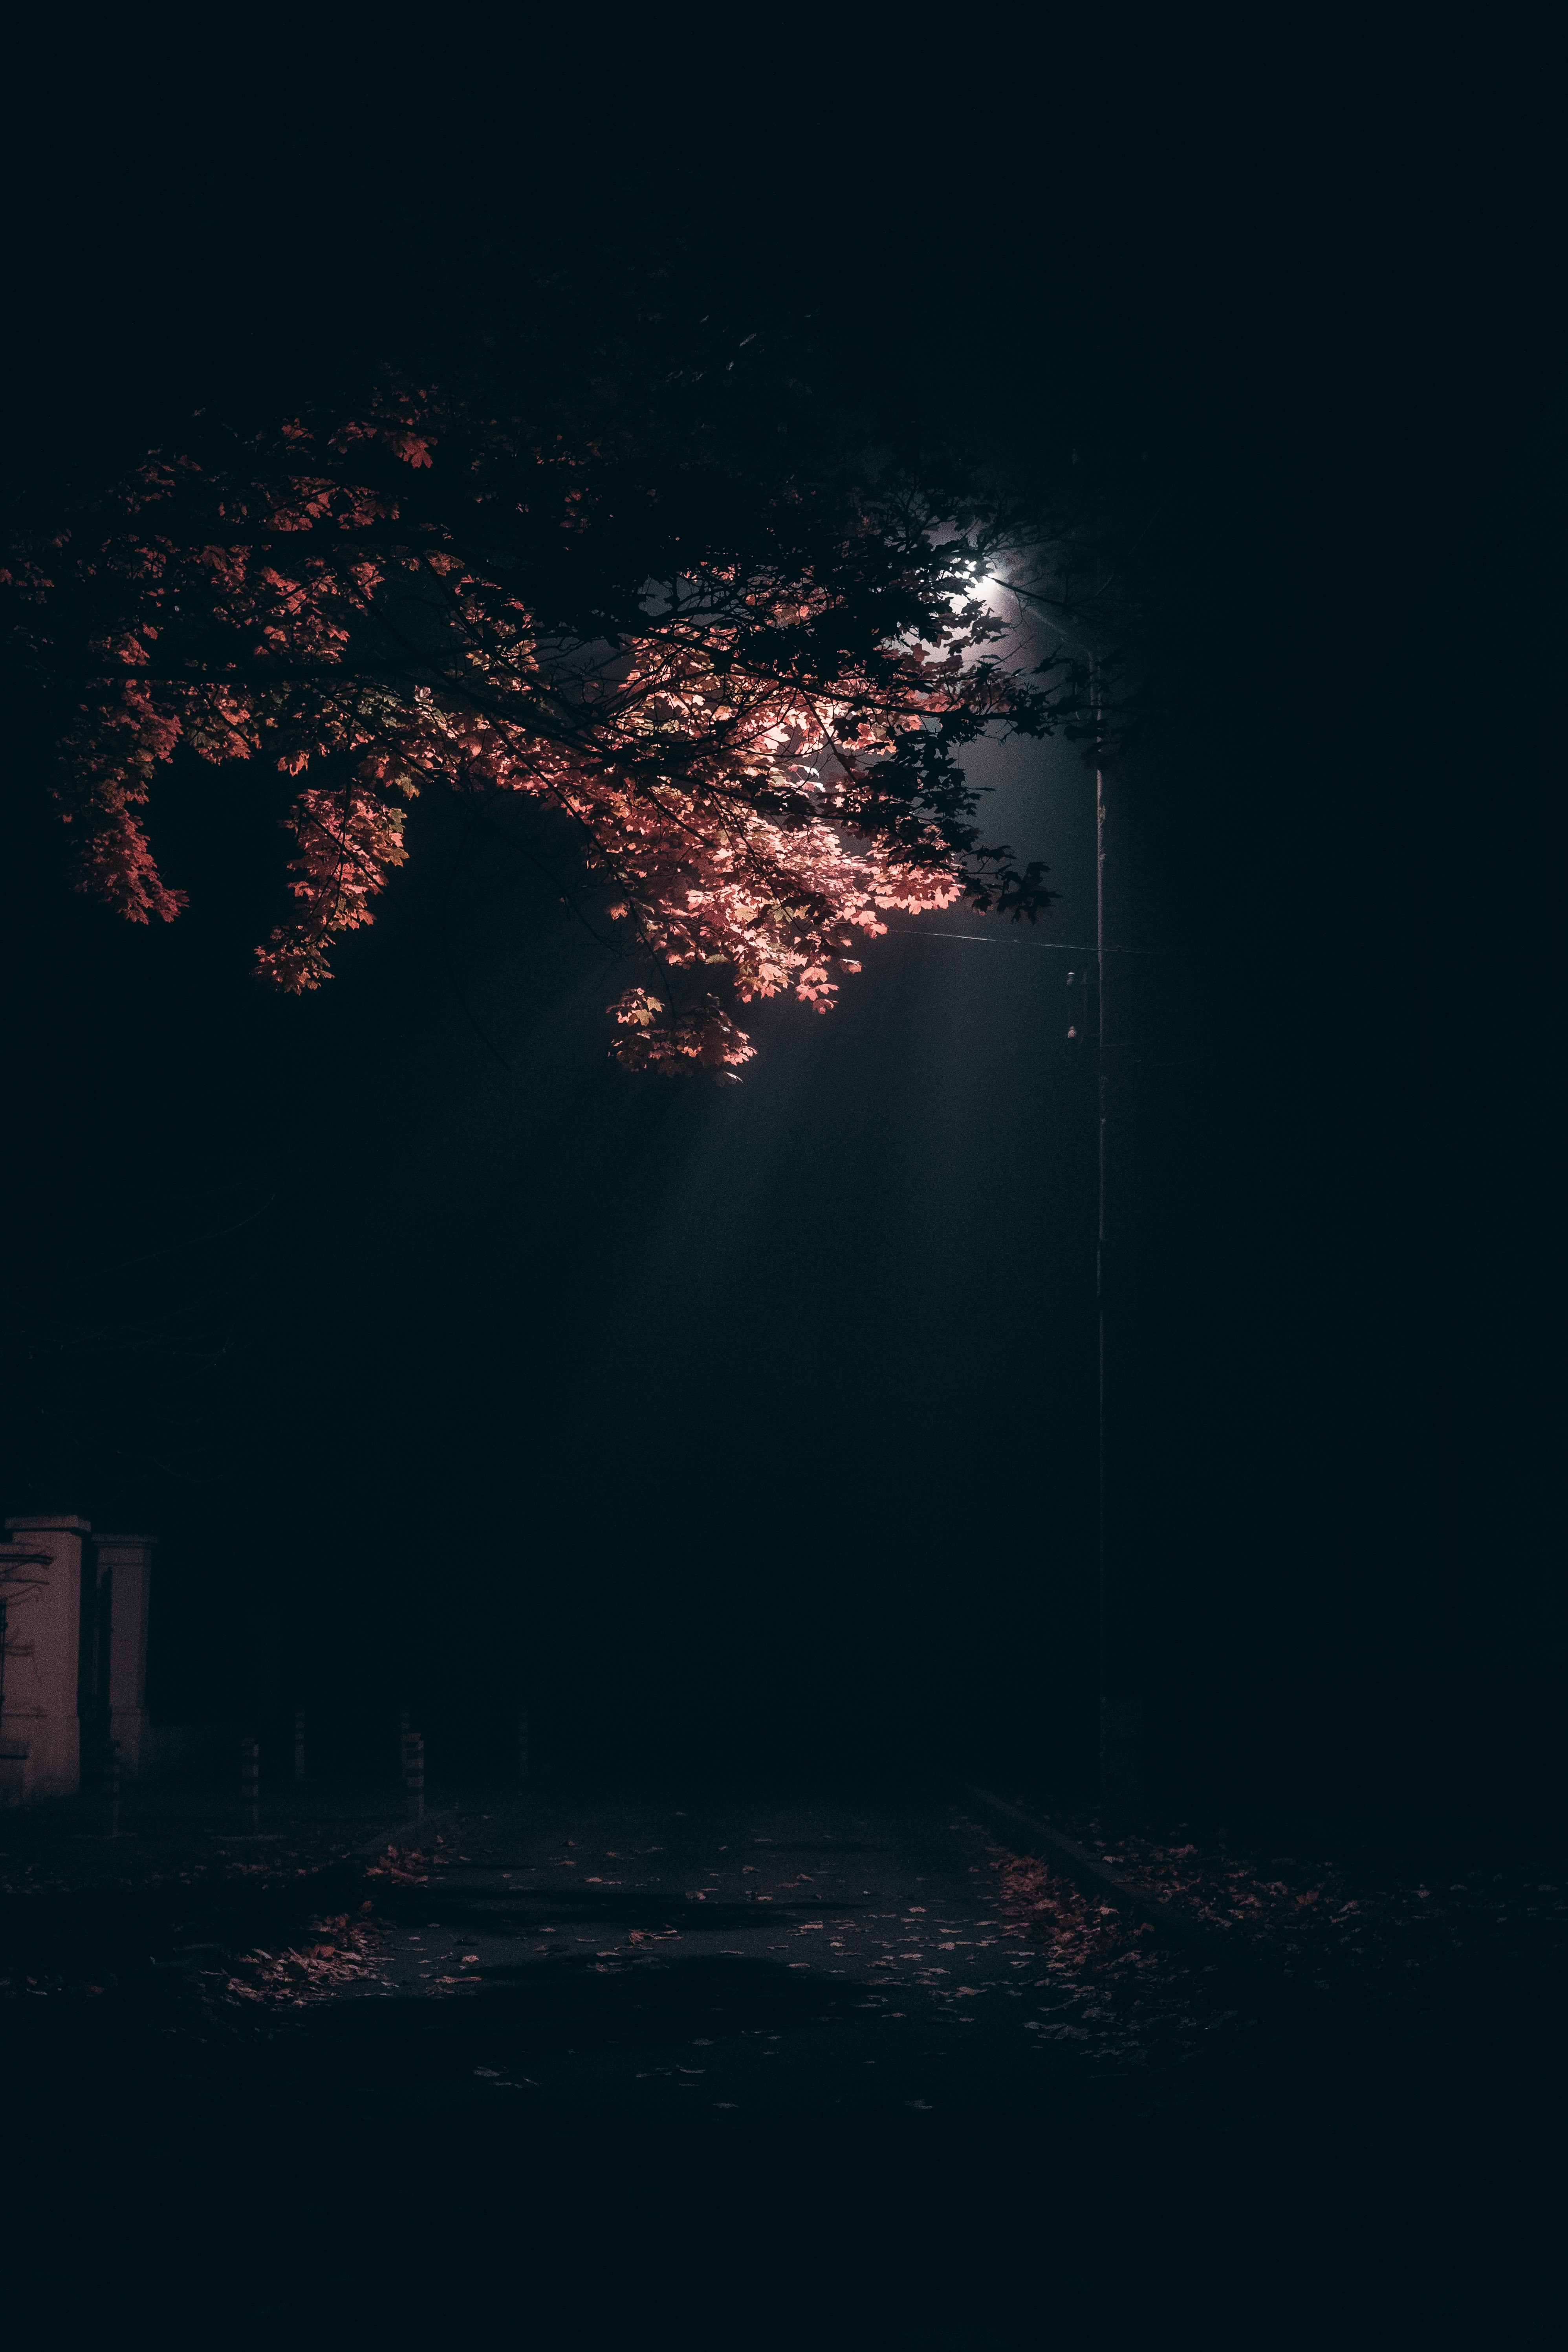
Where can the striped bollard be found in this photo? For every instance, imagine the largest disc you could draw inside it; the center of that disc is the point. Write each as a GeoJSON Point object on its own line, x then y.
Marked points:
{"type": "Point", "coordinates": [522, 1743]}
{"type": "Point", "coordinates": [111, 1790]}
{"type": "Point", "coordinates": [250, 1784]}
{"type": "Point", "coordinates": [414, 1774]}
{"type": "Point", "coordinates": [299, 1743]}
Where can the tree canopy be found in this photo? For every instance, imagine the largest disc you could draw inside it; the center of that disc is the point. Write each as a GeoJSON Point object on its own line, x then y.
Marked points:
{"type": "Point", "coordinates": [680, 578]}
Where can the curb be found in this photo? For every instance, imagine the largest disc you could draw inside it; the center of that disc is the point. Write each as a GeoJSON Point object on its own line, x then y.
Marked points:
{"type": "Point", "coordinates": [1265, 1986]}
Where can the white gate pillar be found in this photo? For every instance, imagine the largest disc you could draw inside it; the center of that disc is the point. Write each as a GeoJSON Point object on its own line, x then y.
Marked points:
{"type": "Point", "coordinates": [43, 1642]}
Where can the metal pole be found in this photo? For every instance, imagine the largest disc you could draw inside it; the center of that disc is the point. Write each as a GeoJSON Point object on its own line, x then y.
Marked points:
{"type": "Point", "coordinates": [299, 1743]}
{"type": "Point", "coordinates": [1121, 1712]}
{"type": "Point", "coordinates": [250, 1784]}
{"type": "Point", "coordinates": [1101, 1586]}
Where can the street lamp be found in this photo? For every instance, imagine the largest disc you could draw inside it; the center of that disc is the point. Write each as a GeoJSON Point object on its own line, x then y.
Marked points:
{"type": "Point", "coordinates": [1119, 1667]}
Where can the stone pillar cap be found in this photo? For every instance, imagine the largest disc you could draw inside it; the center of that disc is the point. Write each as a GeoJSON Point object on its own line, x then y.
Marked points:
{"type": "Point", "coordinates": [48, 1522]}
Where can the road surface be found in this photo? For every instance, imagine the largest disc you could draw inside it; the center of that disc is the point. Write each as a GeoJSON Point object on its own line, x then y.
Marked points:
{"type": "Point", "coordinates": [761, 2070]}
{"type": "Point", "coordinates": [743, 1959]}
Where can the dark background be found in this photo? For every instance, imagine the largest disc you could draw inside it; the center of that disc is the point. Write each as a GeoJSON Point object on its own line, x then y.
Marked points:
{"type": "Point", "coordinates": [759, 1426]}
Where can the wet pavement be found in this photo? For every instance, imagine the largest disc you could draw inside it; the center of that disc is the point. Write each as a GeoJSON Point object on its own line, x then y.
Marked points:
{"type": "Point", "coordinates": [742, 1958]}
{"type": "Point", "coordinates": [762, 2067]}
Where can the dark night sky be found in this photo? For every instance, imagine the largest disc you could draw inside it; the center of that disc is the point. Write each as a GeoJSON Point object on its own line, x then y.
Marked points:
{"type": "Point", "coordinates": [763, 1414]}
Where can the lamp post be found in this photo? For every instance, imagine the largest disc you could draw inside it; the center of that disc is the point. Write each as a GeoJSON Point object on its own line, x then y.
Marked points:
{"type": "Point", "coordinates": [1120, 1656]}
{"type": "Point", "coordinates": [1120, 1709]}
{"type": "Point", "coordinates": [1119, 1661]}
